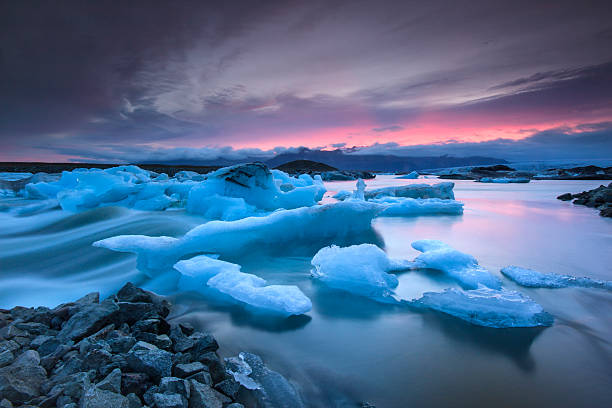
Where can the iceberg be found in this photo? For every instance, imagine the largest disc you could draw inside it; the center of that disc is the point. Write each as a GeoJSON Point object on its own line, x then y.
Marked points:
{"type": "Point", "coordinates": [256, 185]}
{"type": "Point", "coordinates": [404, 206]}
{"type": "Point", "coordinates": [359, 269]}
{"type": "Point", "coordinates": [410, 176]}
{"type": "Point", "coordinates": [442, 191]}
{"type": "Point", "coordinates": [487, 307]}
{"type": "Point", "coordinates": [255, 292]}
{"type": "Point", "coordinates": [462, 267]}
{"type": "Point", "coordinates": [202, 272]}
{"type": "Point", "coordinates": [321, 223]}
{"type": "Point", "coordinates": [534, 279]}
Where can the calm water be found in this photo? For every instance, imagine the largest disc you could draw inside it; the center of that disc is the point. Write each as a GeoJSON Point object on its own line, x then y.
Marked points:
{"type": "Point", "coordinates": [349, 349]}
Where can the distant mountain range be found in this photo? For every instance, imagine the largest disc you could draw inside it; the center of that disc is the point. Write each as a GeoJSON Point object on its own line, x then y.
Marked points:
{"type": "Point", "coordinates": [342, 160]}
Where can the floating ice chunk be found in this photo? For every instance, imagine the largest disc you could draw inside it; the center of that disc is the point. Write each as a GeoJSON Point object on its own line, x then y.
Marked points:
{"type": "Point", "coordinates": [534, 279]}
{"type": "Point", "coordinates": [412, 175]}
{"type": "Point", "coordinates": [504, 180]}
{"type": "Point", "coordinates": [360, 269]}
{"type": "Point", "coordinates": [439, 190]}
{"type": "Point", "coordinates": [195, 272]}
{"type": "Point", "coordinates": [342, 195]}
{"type": "Point", "coordinates": [321, 224]}
{"type": "Point", "coordinates": [487, 307]}
{"type": "Point", "coordinates": [462, 267]}
{"type": "Point", "coordinates": [403, 206]}
{"type": "Point", "coordinates": [253, 290]}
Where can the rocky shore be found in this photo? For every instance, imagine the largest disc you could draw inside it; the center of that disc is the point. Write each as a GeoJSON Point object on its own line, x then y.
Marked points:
{"type": "Point", "coordinates": [505, 173]}
{"type": "Point", "coordinates": [122, 352]}
{"type": "Point", "coordinates": [599, 198]}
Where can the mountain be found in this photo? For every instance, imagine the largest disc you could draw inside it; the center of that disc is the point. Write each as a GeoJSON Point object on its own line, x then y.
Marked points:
{"type": "Point", "coordinates": [378, 162]}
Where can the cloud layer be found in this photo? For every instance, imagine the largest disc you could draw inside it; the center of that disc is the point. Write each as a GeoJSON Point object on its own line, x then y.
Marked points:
{"type": "Point", "coordinates": [97, 79]}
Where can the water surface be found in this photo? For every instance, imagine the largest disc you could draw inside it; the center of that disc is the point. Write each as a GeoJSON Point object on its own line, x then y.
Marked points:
{"type": "Point", "coordinates": [349, 349]}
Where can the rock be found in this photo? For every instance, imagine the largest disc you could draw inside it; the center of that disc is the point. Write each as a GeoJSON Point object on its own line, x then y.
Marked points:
{"type": "Point", "coordinates": [203, 343]}
{"type": "Point", "coordinates": [134, 401]}
{"type": "Point", "coordinates": [186, 370]}
{"type": "Point", "coordinates": [229, 387]}
{"type": "Point", "coordinates": [163, 341]}
{"type": "Point", "coordinates": [235, 405]}
{"type": "Point", "coordinates": [133, 294]}
{"type": "Point", "coordinates": [565, 197]}
{"type": "Point", "coordinates": [36, 343]}
{"type": "Point", "coordinates": [32, 328]}
{"type": "Point", "coordinates": [22, 380]}
{"type": "Point", "coordinates": [6, 358]}
{"type": "Point", "coordinates": [215, 366]}
{"type": "Point", "coordinates": [97, 398]}
{"type": "Point", "coordinates": [11, 331]}
{"type": "Point", "coordinates": [134, 383]}
{"type": "Point", "coordinates": [6, 404]}
{"type": "Point", "coordinates": [48, 346]}
{"type": "Point", "coordinates": [156, 325]}
{"type": "Point", "coordinates": [121, 344]}
{"type": "Point", "coordinates": [173, 385]}
{"type": "Point", "coordinates": [97, 358]}
{"type": "Point", "coordinates": [202, 395]}
{"type": "Point", "coordinates": [201, 377]}
{"type": "Point", "coordinates": [186, 328]}
{"type": "Point", "coordinates": [168, 401]}
{"type": "Point", "coordinates": [88, 320]}
{"type": "Point", "coordinates": [131, 313]}
{"type": "Point", "coordinates": [149, 359]}
{"type": "Point", "coordinates": [112, 382]}
{"type": "Point", "coordinates": [180, 342]}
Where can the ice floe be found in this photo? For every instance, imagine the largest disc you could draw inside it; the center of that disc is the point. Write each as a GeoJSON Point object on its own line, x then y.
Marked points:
{"type": "Point", "coordinates": [406, 207]}
{"type": "Point", "coordinates": [440, 190]}
{"type": "Point", "coordinates": [203, 272]}
{"type": "Point", "coordinates": [360, 269]}
{"type": "Point", "coordinates": [410, 176]}
{"type": "Point", "coordinates": [504, 180]}
{"type": "Point", "coordinates": [460, 266]}
{"type": "Point", "coordinates": [487, 307]}
{"type": "Point", "coordinates": [320, 224]}
{"type": "Point", "coordinates": [534, 279]}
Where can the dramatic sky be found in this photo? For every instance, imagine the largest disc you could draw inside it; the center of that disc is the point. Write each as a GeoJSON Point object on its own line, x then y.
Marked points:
{"type": "Point", "coordinates": [147, 80]}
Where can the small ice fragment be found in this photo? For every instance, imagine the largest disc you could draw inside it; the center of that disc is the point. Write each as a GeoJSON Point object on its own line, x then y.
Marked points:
{"type": "Point", "coordinates": [534, 279]}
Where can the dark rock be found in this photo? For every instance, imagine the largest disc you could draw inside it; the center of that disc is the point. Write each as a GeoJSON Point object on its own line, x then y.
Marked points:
{"type": "Point", "coordinates": [149, 359]}
{"type": "Point", "coordinates": [39, 340]}
{"type": "Point", "coordinates": [180, 342]}
{"type": "Point", "coordinates": [6, 404]}
{"type": "Point", "coordinates": [134, 401]}
{"type": "Point", "coordinates": [97, 358]}
{"type": "Point", "coordinates": [168, 401]}
{"type": "Point", "coordinates": [97, 398]}
{"type": "Point", "coordinates": [186, 370]}
{"type": "Point", "coordinates": [136, 383]}
{"type": "Point", "coordinates": [22, 380]}
{"type": "Point", "coordinates": [33, 328]}
{"type": "Point", "coordinates": [131, 313]}
{"type": "Point", "coordinates": [229, 387]}
{"type": "Point", "coordinates": [202, 395]}
{"type": "Point", "coordinates": [173, 385]}
{"type": "Point", "coordinates": [11, 331]}
{"type": "Point", "coordinates": [156, 326]}
{"type": "Point", "coordinates": [203, 343]}
{"type": "Point", "coordinates": [6, 358]}
{"type": "Point", "coordinates": [112, 382]}
{"type": "Point", "coordinates": [201, 377]}
{"type": "Point", "coordinates": [565, 197]}
{"type": "Point", "coordinates": [121, 344]}
{"type": "Point", "coordinates": [215, 366]}
{"type": "Point", "coordinates": [88, 320]}
{"type": "Point", "coordinates": [186, 328]}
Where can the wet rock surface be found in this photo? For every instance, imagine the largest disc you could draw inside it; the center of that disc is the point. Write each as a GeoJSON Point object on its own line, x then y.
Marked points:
{"type": "Point", "coordinates": [599, 198]}
{"type": "Point", "coordinates": [93, 353]}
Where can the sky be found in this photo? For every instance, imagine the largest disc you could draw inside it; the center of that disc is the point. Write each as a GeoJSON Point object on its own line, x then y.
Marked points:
{"type": "Point", "coordinates": [145, 80]}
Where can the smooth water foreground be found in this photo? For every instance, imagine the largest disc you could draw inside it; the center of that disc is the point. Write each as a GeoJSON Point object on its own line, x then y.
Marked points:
{"type": "Point", "coordinates": [349, 349]}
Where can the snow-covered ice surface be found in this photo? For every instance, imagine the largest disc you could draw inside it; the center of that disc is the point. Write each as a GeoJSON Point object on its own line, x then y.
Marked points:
{"type": "Point", "coordinates": [439, 190]}
{"type": "Point", "coordinates": [487, 307]}
{"type": "Point", "coordinates": [534, 279]}
{"type": "Point", "coordinates": [462, 267]}
{"type": "Point", "coordinates": [360, 269]}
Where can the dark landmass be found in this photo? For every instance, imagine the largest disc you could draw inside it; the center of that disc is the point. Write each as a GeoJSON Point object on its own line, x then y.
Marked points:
{"type": "Point", "coordinates": [577, 173]}
{"type": "Point", "coordinates": [503, 171]}
{"type": "Point", "coordinates": [599, 198]}
{"type": "Point", "coordinates": [342, 160]}
{"type": "Point", "coordinates": [38, 167]}
{"type": "Point", "coordinates": [123, 353]}
{"type": "Point", "coordinates": [327, 173]}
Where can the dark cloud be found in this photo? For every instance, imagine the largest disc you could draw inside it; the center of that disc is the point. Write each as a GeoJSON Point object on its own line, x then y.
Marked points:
{"type": "Point", "coordinates": [214, 73]}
